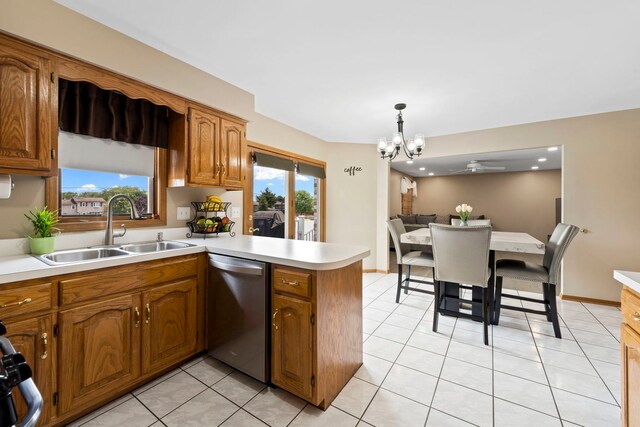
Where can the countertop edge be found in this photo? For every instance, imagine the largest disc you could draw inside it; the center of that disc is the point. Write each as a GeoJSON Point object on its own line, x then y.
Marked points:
{"type": "Point", "coordinates": [36, 269]}
{"type": "Point", "coordinates": [630, 279]}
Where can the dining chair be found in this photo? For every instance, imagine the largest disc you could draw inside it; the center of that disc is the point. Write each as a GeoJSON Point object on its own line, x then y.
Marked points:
{"type": "Point", "coordinates": [548, 274]}
{"type": "Point", "coordinates": [457, 221]}
{"type": "Point", "coordinates": [405, 257]}
{"type": "Point", "coordinates": [461, 255]}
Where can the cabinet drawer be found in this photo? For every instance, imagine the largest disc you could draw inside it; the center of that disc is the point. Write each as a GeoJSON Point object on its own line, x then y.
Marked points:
{"type": "Point", "coordinates": [25, 300]}
{"type": "Point", "coordinates": [292, 282]}
{"type": "Point", "coordinates": [103, 283]}
{"type": "Point", "coordinates": [631, 309]}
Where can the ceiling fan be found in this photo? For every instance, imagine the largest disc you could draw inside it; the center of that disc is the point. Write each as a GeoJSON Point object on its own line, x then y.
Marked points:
{"type": "Point", "coordinates": [475, 166]}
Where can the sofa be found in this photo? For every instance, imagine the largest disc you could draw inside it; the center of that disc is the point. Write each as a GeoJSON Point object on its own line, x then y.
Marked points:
{"type": "Point", "coordinates": [416, 221]}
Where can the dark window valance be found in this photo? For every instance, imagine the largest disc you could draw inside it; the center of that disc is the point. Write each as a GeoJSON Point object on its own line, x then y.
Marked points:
{"type": "Point", "coordinates": [86, 109]}
{"type": "Point", "coordinates": [311, 170]}
{"type": "Point", "coordinates": [269, 161]}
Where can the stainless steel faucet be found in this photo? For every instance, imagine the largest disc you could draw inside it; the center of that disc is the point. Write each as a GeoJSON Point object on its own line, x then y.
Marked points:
{"type": "Point", "coordinates": [109, 234]}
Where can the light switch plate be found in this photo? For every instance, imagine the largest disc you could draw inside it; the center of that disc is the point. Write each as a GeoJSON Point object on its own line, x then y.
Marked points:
{"type": "Point", "coordinates": [235, 212]}
{"type": "Point", "coordinates": [184, 213]}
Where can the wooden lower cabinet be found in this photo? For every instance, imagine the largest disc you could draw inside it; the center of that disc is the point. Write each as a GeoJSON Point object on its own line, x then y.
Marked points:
{"type": "Point", "coordinates": [169, 332]}
{"type": "Point", "coordinates": [33, 338]}
{"type": "Point", "coordinates": [316, 331]}
{"type": "Point", "coordinates": [630, 376]}
{"type": "Point", "coordinates": [292, 345]}
{"type": "Point", "coordinates": [99, 350]}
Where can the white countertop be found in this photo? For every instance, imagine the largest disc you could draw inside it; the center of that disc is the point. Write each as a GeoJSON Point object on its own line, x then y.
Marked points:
{"type": "Point", "coordinates": [631, 279]}
{"type": "Point", "coordinates": [503, 241]}
{"type": "Point", "coordinates": [294, 253]}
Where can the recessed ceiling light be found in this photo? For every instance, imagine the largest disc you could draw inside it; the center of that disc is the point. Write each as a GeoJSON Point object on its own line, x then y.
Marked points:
{"type": "Point", "coordinates": [409, 162]}
{"type": "Point", "coordinates": [423, 169]}
{"type": "Point", "coordinates": [542, 159]}
{"type": "Point", "coordinates": [534, 167]}
{"type": "Point", "coordinates": [552, 149]}
{"type": "Point", "coordinates": [430, 173]}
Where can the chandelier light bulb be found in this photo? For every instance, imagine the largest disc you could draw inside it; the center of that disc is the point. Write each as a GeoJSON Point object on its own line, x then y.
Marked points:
{"type": "Point", "coordinates": [382, 144]}
{"type": "Point", "coordinates": [397, 138]}
{"type": "Point", "coordinates": [411, 146]}
{"type": "Point", "coordinates": [390, 148]}
{"type": "Point", "coordinates": [419, 140]}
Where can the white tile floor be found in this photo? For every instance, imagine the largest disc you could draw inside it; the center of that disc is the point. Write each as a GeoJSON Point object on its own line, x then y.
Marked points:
{"type": "Point", "coordinates": [414, 377]}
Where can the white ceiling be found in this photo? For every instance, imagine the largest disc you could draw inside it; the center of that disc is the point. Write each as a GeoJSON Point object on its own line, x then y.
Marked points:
{"type": "Point", "coordinates": [335, 68]}
{"type": "Point", "coordinates": [513, 161]}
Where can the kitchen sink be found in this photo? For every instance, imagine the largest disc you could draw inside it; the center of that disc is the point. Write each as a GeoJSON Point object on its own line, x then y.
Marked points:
{"type": "Point", "coordinates": [146, 247]}
{"type": "Point", "coordinates": [81, 255]}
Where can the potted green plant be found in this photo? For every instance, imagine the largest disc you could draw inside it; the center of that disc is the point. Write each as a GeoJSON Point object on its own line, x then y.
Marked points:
{"type": "Point", "coordinates": [44, 226]}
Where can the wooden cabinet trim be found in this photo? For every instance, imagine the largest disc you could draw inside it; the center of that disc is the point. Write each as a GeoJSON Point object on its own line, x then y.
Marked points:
{"type": "Point", "coordinates": [630, 367]}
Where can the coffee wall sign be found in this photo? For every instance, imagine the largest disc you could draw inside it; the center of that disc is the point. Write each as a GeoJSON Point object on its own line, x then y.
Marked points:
{"type": "Point", "coordinates": [352, 170]}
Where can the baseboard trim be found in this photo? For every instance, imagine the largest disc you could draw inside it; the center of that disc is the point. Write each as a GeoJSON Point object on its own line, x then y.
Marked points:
{"type": "Point", "coordinates": [590, 300]}
{"type": "Point", "coordinates": [373, 270]}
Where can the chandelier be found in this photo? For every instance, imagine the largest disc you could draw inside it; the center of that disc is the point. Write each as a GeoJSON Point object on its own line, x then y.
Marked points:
{"type": "Point", "coordinates": [391, 149]}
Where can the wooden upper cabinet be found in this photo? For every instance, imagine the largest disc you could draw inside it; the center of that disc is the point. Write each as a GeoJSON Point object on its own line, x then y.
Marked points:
{"type": "Point", "coordinates": [26, 109]}
{"type": "Point", "coordinates": [204, 142]}
{"type": "Point", "coordinates": [170, 325]}
{"type": "Point", "coordinates": [207, 152]}
{"type": "Point", "coordinates": [292, 345]}
{"type": "Point", "coordinates": [33, 339]}
{"type": "Point", "coordinates": [231, 154]}
{"type": "Point", "coordinates": [99, 350]}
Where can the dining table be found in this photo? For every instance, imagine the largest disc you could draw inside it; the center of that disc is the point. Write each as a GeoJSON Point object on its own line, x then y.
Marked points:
{"type": "Point", "coordinates": [501, 241]}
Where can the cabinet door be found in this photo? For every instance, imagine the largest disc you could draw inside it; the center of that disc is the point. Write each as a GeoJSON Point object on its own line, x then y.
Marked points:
{"type": "Point", "coordinates": [99, 350]}
{"type": "Point", "coordinates": [292, 345]}
{"type": "Point", "coordinates": [231, 154]}
{"type": "Point", "coordinates": [204, 131]}
{"type": "Point", "coordinates": [630, 377]}
{"type": "Point", "coordinates": [25, 110]}
{"type": "Point", "coordinates": [170, 324]}
{"type": "Point", "coordinates": [32, 338]}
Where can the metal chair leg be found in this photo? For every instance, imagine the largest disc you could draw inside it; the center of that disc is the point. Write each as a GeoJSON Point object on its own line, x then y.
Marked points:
{"type": "Point", "coordinates": [485, 314]}
{"type": "Point", "coordinates": [406, 290]}
{"type": "Point", "coordinates": [497, 300]}
{"type": "Point", "coordinates": [547, 300]}
{"type": "Point", "coordinates": [553, 306]}
{"type": "Point", "coordinates": [399, 283]}
{"type": "Point", "coordinates": [436, 304]}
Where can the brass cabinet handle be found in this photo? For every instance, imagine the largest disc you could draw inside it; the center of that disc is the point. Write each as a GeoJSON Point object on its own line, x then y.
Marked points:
{"type": "Point", "coordinates": [636, 316]}
{"type": "Point", "coordinates": [13, 304]}
{"type": "Point", "coordinates": [217, 169]}
{"type": "Point", "coordinates": [45, 343]}
{"type": "Point", "coordinates": [224, 169]}
{"type": "Point", "coordinates": [275, 313]}
{"type": "Point", "coordinates": [148, 314]}
{"type": "Point", "coordinates": [284, 282]}
{"type": "Point", "coordinates": [137, 317]}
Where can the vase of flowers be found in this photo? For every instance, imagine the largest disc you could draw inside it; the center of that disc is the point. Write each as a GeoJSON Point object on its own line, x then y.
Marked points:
{"type": "Point", "coordinates": [44, 224]}
{"type": "Point", "coordinates": [464, 211]}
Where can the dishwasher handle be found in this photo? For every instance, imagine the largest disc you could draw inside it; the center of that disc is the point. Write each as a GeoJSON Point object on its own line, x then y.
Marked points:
{"type": "Point", "coordinates": [250, 269]}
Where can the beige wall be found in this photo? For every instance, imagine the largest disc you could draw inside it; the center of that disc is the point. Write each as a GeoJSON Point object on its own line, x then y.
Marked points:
{"type": "Point", "coordinates": [351, 211]}
{"type": "Point", "coordinates": [600, 189]}
{"type": "Point", "coordinates": [516, 201]}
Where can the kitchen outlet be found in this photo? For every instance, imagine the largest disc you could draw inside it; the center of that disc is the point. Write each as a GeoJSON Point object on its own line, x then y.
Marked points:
{"type": "Point", "coordinates": [184, 213]}
{"type": "Point", "coordinates": [235, 212]}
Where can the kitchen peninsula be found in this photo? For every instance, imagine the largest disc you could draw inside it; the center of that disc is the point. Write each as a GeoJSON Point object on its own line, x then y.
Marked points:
{"type": "Point", "coordinates": [147, 311]}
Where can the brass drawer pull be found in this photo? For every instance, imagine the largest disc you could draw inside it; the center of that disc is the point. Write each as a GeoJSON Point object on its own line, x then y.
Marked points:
{"type": "Point", "coordinates": [137, 317]}
{"type": "Point", "coordinates": [284, 282]}
{"type": "Point", "coordinates": [636, 316]}
{"type": "Point", "coordinates": [275, 313]}
{"type": "Point", "coordinates": [148, 314]}
{"type": "Point", "coordinates": [45, 342]}
{"type": "Point", "coordinates": [13, 304]}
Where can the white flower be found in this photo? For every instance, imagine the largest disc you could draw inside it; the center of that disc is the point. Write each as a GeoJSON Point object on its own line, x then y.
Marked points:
{"type": "Point", "coordinates": [464, 207]}
{"type": "Point", "coordinates": [458, 208]}
{"type": "Point", "coordinates": [469, 208]}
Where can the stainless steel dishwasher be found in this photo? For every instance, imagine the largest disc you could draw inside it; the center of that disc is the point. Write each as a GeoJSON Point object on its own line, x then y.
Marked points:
{"type": "Point", "coordinates": [237, 327]}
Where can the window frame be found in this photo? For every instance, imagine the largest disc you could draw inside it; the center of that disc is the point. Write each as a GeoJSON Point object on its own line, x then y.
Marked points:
{"type": "Point", "coordinates": [248, 189]}
{"type": "Point", "coordinates": [75, 223]}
